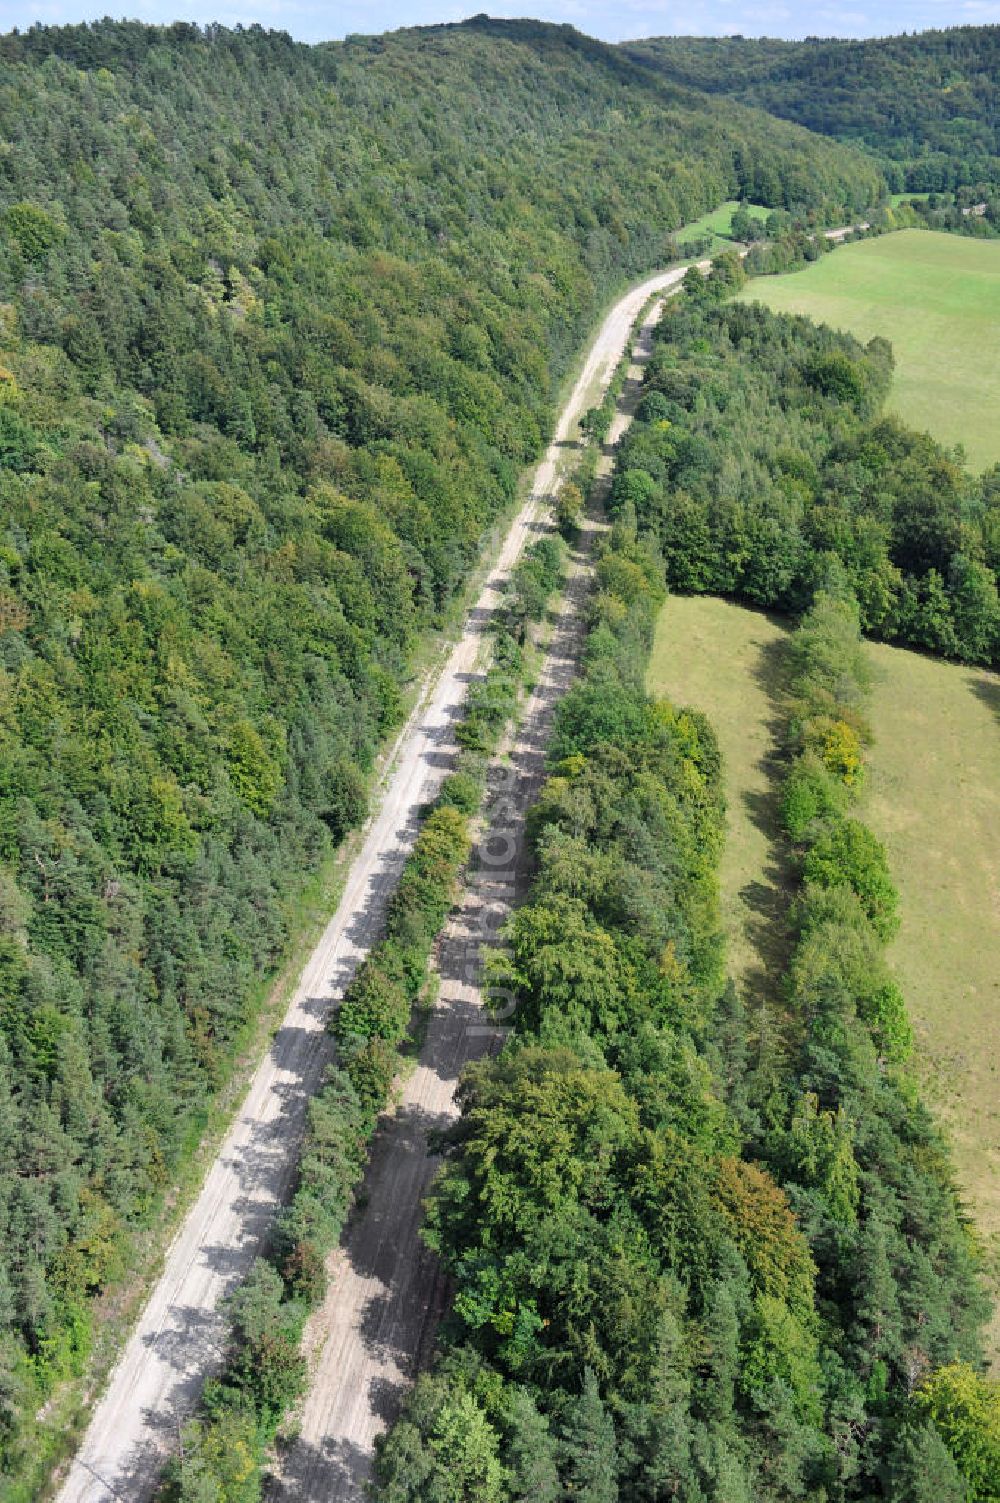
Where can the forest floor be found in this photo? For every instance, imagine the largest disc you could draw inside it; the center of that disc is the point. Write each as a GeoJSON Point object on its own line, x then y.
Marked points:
{"type": "Point", "coordinates": [936, 298]}
{"type": "Point", "coordinates": [176, 1341]}
{"type": "Point", "coordinates": [934, 798]}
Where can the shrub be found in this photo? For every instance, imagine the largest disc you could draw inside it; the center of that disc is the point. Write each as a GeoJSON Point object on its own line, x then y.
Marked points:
{"type": "Point", "coordinates": [965, 1411]}
{"type": "Point", "coordinates": [376, 1002]}
{"type": "Point", "coordinates": [809, 794]}
{"type": "Point", "coordinates": [838, 746]}
{"type": "Point", "coordinates": [371, 1068]}
{"type": "Point", "coordinates": [569, 510]}
{"type": "Point", "coordinates": [461, 791]}
{"type": "Point", "coordinates": [849, 853]}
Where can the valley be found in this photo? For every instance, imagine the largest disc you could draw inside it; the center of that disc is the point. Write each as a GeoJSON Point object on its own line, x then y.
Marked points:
{"type": "Point", "coordinates": [176, 1342]}
{"type": "Point", "coordinates": [392, 522]}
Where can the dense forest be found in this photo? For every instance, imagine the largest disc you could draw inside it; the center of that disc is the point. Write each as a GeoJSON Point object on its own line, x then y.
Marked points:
{"type": "Point", "coordinates": [927, 105]}
{"type": "Point", "coordinates": [759, 450]}
{"type": "Point", "coordinates": [378, 1026]}
{"type": "Point", "coordinates": [278, 327]}
{"type": "Point", "coordinates": [698, 1253]}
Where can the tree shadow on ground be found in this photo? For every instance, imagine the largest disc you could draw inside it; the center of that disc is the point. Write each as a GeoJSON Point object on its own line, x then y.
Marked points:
{"type": "Point", "coordinates": [768, 898]}
{"type": "Point", "coordinates": [320, 1474]}
{"type": "Point", "coordinates": [986, 686]}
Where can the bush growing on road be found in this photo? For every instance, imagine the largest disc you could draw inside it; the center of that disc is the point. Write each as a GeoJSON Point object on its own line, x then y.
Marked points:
{"type": "Point", "coordinates": [569, 510]}
{"type": "Point", "coordinates": [533, 580]}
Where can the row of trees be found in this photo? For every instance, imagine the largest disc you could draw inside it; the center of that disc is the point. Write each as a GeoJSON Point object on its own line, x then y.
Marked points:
{"type": "Point", "coordinates": [856, 1152]}
{"type": "Point", "coordinates": [697, 1254]}
{"type": "Point", "coordinates": [971, 211]}
{"type": "Point", "coordinates": [758, 449]}
{"type": "Point", "coordinates": [278, 326]}
{"type": "Point", "coordinates": [224, 1448]}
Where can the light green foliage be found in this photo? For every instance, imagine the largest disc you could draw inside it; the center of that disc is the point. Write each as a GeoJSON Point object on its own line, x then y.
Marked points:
{"type": "Point", "coordinates": [276, 335]}
{"type": "Point", "coordinates": [219, 1460]}
{"type": "Point", "coordinates": [808, 794]}
{"type": "Point", "coordinates": [569, 509]}
{"type": "Point", "coordinates": [847, 852]}
{"type": "Point", "coordinates": [32, 230]}
{"type": "Point", "coordinates": [821, 1147]}
{"type": "Point", "coordinates": [464, 1447]}
{"type": "Point", "coordinates": [965, 1410]}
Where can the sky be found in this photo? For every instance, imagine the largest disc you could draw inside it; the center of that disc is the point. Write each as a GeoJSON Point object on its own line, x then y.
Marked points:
{"type": "Point", "coordinates": [613, 20]}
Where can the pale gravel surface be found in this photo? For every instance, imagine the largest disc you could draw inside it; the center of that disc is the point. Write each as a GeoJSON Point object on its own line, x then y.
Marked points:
{"type": "Point", "coordinates": [175, 1343]}
{"type": "Point", "coordinates": [386, 1292]}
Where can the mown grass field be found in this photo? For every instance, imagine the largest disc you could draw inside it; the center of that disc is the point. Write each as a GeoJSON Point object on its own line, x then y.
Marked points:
{"type": "Point", "coordinates": [934, 798]}
{"type": "Point", "coordinates": [936, 297]}
{"type": "Point", "coordinates": [726, 661]}
{"type": "Point", "coordinates": [717, 223]}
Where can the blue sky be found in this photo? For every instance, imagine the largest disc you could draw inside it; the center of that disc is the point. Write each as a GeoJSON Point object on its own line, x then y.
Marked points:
{"type": "Point", "coordinates": [314, 21]}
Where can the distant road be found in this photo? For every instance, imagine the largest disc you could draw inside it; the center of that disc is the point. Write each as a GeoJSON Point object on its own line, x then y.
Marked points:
{"type": "Point", "coordinates": [176, 1342]}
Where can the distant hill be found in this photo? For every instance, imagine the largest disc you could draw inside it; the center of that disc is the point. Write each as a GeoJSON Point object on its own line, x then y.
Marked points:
{"type": "Point", "coordinates": [927, 105]}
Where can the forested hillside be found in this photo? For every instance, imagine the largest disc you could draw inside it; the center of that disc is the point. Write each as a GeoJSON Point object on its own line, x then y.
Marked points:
{"type": "Point", "coordinates": [928, 105]}
{"type": "Point", "coordinates": [278, 327]}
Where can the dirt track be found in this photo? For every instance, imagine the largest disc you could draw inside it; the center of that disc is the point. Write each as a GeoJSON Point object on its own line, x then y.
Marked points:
{"type": "Point", "coordinates": [175, 1343]}
{"type": "Point", "coordinates": [386, 1290]}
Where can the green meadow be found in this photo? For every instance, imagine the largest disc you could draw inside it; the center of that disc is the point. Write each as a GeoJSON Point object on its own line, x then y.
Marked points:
{"type": "Point", "coordinates": [936, 298]}
{"type": "Point", "coordinates": [718, 224]}
{"type": "Point", "coordinates": [933, 797]}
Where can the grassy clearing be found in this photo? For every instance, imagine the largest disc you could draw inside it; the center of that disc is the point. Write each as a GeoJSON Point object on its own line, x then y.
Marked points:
{"type": "Point", "coordinates": [937, 298]}
{"type": "Point", "coordinates": [933, 797]}
{"type": "Point", "coordinates": [717, 223]}
{"type": "Point", "coordinates": [726, 661]}
{"type": "Point", "coordinates": [935, 800]}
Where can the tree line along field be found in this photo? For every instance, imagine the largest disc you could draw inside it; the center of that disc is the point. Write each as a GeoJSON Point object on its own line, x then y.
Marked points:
{"type": "Point", "coordinates": [933, 798]}
{"type": "Point", "coordinates": [717, 225]}
{"type": "Point", "coordinates": [727, 661]}
{"type": "Point", "coordinates": [936, 297]}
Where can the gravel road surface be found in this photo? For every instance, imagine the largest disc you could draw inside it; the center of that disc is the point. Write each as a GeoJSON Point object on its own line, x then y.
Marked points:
{"type": "Point", "coordinates": [175, 1344]}
{"type": "Point", "coordinates": [376, 1327]}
